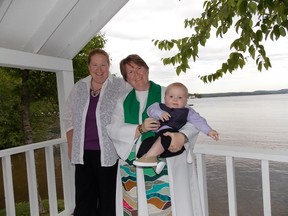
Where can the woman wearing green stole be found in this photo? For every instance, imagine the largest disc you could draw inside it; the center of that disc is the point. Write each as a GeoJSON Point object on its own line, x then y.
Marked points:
{"type": "Point", "coordinates": [140, 191]}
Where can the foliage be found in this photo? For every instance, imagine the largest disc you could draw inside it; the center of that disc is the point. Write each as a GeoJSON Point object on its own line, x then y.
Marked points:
{"type": "Point", "coordinates": [255, 21]}
{"type": "Point", "coordinates": [43, 107]}
{"type": "Point", "coordinates": [23, 208]}
{"type": "Point", "coordinates": [10, 118]}
{"type": "Point", "coordinates": [80, 60]}
{"type": "Point", "coordinates": [44, 111]}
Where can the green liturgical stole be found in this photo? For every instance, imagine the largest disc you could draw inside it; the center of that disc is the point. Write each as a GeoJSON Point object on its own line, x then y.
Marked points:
{"type": "Point", "coordinates": [132, 106]}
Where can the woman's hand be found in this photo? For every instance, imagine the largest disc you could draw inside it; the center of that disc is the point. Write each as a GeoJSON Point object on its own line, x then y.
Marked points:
{"type": "Point", "coordinates": [150, 124]}
{"type": "Point", "coordinates": [178, 139]}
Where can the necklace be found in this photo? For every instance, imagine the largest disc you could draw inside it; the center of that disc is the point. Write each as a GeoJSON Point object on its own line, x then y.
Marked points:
{"type": "Point", "coordinates": [94, 93]}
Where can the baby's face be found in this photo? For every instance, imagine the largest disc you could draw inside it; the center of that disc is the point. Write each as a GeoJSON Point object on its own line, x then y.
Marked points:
{"type": "Point", "coordinates": [175, 98]}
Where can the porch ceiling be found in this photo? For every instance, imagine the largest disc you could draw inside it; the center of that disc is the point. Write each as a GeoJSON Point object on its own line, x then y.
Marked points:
{"type": "Point", "coordinates": [57, 28]}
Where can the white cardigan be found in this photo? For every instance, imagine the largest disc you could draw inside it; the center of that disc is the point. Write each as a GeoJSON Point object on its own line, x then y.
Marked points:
{"type": "Point", "coordinates": [76, 111]}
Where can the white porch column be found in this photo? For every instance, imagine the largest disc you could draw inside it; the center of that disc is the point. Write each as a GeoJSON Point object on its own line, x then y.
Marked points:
{"type": "Point", "coordinates": [65, 82]}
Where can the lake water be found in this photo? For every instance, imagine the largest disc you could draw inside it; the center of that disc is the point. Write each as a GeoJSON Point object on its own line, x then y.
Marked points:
{"type": "Point", "coordinates": [259, 121]}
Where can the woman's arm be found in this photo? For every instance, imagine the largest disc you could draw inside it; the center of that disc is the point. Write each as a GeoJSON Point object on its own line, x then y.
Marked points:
{"type": "Point", "coordinates": [69, 135]}
{"type": "Point", "coordinates": [187, 133]}
{"type": "Point", "coordinates": [123, 135]}
{"type": "Point", "coordinates": [67, 118]}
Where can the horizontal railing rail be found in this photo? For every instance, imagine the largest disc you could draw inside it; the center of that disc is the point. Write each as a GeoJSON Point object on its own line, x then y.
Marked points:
{"type": "Point", "coordinates": [201, 150]}
{"type": "Point", "coordinates": [66, 172]}
{"type": "Point", "coordinates": [230, 153]}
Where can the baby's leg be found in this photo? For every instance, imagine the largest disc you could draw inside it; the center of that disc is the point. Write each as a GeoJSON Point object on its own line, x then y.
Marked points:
{"type": "Point", "coordinates": [166, 141]}
{"type": "Point", "coordinates": [156, 149]}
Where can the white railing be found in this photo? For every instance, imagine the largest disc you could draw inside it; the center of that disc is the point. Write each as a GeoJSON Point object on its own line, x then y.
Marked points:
{"type": "Point", "coordinates": [230, 153]}
{"type": "Point", "coordinates": [67, 178]}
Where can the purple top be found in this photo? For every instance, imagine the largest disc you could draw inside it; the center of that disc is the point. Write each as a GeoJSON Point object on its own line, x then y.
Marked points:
{"type": "Point", "coordinates": [91, 137]}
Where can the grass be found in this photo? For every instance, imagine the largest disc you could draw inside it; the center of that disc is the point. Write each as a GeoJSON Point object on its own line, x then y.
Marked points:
{"type": "Point", "coordinates": [23, 208]}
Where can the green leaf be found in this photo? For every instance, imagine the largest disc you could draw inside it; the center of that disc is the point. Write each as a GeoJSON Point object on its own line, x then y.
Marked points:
{"type": "Point", "coordinates": [215, 23]}
{"type": "Point", "coordinates": [224, 67]}
{"type": "Point", "coordinates": [282, 31]}
{"type": "Point", "coordinates": [264, 28]}
{"type": "Point", "coordinates": [276, 31]}
{"type": "Point", "coordinates": [285, 24]}
{"type": "Point", "coordinates": [155, 42]}
{"type": "Point", "coordinates": [178, 70]}
{"type": "Point", "coordinates": [260, 66]}
{"type": "Point", "coordinates": [219, 32]}
{"type": "Point", "coordinates": [242, 7]}
{"type": "Point", "coordinates": [210, 78]}
{"type": "Point", "coordinates": [252, 6]}
{"type": "Point", "coordinates": [252, 51]}
{"type": "Point", "coordinates": [232, 3]}
{"type": "Point", "coordinates": [259, 36]}
{"type": "Point", "coordinates": [173, 60]}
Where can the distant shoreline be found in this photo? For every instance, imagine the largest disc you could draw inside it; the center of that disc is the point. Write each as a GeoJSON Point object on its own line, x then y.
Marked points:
{"type": "Point", "coordinates": [226, 94]}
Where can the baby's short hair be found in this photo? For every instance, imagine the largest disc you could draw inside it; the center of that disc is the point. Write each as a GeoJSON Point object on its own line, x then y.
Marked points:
{"type": "Point", "coordinates": [177, 85]}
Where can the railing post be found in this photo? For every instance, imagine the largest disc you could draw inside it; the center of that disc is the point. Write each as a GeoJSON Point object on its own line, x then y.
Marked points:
{"type": "Point", "coordinates": [32, 183]}
{"type": "Point", "coordinates": [202, 182]}
{"type": "Point", "coordinates": [51, 180]}
{"type": "Point", "coordinates": [266, 187]}
{"type": "Point", "coordinates": [68, 180]}
{"type": "Point", "coordinates": [8, 186]}
{"type": "Point", "coordinates": [231, 186]}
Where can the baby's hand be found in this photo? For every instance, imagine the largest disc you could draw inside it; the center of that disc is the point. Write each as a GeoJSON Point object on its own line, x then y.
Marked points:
{"type": "Point", "coordinates": [213, 134]}
{"type": "Point", "coordinates": [165, 116]}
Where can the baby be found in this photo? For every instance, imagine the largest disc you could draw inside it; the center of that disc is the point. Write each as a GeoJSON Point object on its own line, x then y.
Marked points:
{"type": "Point", "coordinates": [172, 115]}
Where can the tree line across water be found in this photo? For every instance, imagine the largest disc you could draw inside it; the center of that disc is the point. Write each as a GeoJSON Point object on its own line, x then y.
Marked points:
{"type": "Point", "coordinates": [226, 94]}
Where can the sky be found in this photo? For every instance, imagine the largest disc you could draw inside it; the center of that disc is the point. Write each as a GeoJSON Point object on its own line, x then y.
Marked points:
{"type": "Point", "coordinates": [133, 28]}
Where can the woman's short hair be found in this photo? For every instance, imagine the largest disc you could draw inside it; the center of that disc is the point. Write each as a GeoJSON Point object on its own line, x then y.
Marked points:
{"type": "Point", "coordinates": [131, 58]}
